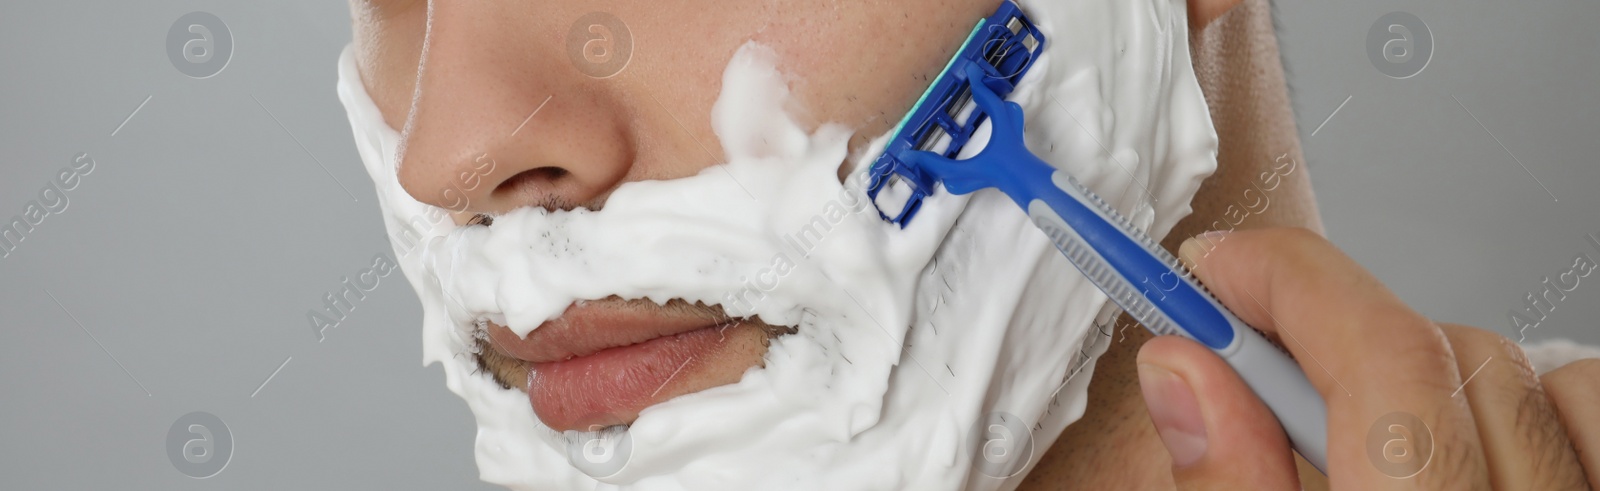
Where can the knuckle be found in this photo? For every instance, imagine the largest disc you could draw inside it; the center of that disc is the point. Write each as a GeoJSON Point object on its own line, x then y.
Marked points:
{"type": "Point", "coordinates": [1587, 367]}
{"type": "Point", "coordinates": [1478, 336]}
{"type": "Point", "coordinates": [1509, 380]}
{"type": "Point", "coordinates": [1546, 425]}
{"type": "Point", "coordinates": [1421, 354]}
{"type": "Point", "coordinates": [1433, 348]}
{"type": "Point", "coordinates": [1573, 391]}
{"type": "Point", "coordinates": [1405, 326]}
{"type": "Point", "coordinates": [1583, 373]}
{"type": "Point", "coordinates": [1478, 343]}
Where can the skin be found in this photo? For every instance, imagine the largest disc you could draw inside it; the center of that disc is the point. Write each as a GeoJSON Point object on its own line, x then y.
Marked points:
{"type": "Point", "coordinates": [1494, 424]}
{"type": "Point", "coordinates": [490, 64]}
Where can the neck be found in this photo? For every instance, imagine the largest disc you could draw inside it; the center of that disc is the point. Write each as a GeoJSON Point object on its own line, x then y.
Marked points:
{"type": "Point", "coordinates": [1114, 445]}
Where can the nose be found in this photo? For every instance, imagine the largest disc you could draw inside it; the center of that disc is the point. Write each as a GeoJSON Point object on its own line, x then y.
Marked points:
{"type": "Point", "coordinates": [499, 120]}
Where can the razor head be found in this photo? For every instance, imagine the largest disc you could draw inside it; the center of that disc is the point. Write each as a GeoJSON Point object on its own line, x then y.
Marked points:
{"type": "Point", "coordinates": [1004, 46]}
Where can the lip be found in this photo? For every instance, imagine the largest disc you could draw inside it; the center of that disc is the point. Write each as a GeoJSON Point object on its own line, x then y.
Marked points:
{"type": "Point", "coordinates": [591, 327]}
{"type": "Point", "coordinates": [600, 363]}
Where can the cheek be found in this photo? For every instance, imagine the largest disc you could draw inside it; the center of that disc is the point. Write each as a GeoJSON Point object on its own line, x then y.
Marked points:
{"type": "Point", "coordinates": [863, 64]}
{"type": "Point", "coordinates": [388, 39]}
{"type": "Point", "coordinates": [866, 72]}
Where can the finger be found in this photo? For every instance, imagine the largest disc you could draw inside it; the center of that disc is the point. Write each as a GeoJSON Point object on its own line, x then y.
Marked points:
{"type": "Point", "coordinates": [1574, 389]}
{"type": "Point", "coordinates": [1372, 357]}
{"type": "Point", "coordinates": [1523, 440]}
{"type": "Point", "coordinates": [1220, 436]}
{"type": "Point", "coordinates": [1311, 478]}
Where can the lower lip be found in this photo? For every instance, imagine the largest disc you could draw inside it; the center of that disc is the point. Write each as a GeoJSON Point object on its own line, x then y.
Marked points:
{"type": "Point", "coordinates": [611, 386]}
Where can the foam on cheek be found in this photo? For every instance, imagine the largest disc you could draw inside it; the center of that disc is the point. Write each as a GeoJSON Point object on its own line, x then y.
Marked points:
{"type": "Point", "coordinates": [907, 339]}
{"type": "Point", "coordinates": [771, 233]}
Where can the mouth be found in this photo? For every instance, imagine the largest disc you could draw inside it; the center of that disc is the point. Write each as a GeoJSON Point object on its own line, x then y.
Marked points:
{"type": "Point", "coordinates": [603, 362]}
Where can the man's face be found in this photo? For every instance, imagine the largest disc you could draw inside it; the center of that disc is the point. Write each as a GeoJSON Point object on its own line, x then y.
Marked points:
{"type": "Point", "coordinates": [500, 98]}
{"type": "Point", "coordinates": [507, 110]}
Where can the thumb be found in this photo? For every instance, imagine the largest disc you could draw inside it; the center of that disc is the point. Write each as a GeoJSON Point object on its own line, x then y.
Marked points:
{"type": "Point", "coordinates": [1220, 436]}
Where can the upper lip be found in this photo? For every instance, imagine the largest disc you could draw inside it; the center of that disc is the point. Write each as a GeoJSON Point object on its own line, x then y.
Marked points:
{"type": "Point", "coordinates": [589, 327]}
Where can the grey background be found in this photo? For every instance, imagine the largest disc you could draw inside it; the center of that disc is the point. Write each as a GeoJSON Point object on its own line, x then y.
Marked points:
{"type": "Point", "coordinates": [188, 258]}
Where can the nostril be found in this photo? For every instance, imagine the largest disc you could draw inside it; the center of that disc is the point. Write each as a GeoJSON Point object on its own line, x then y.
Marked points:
{"type": "Point", "coordinates": [531, 180]}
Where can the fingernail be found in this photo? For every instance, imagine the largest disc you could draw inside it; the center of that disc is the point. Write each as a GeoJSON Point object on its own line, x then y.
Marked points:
{"type": "Point", "coordinates": [1197, 247]}
{"type": "Point", "coordinates": [1175, 412]}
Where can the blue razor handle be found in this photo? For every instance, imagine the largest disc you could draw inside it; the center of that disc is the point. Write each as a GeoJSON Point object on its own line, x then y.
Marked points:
{"type": "Point", "coordinates": [1132, 269]}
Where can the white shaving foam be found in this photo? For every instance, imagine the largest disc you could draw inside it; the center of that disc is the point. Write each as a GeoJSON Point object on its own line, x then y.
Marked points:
{"type": "Point", "coordinates": [907, 339]}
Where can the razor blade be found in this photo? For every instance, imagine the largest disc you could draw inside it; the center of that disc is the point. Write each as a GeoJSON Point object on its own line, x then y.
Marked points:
{"type": "Point", "coordinates": [1004, 46]}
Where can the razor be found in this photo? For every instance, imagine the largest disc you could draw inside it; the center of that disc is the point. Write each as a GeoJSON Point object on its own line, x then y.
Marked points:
{"type": "Point", "coordinates": [1133, 270]}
